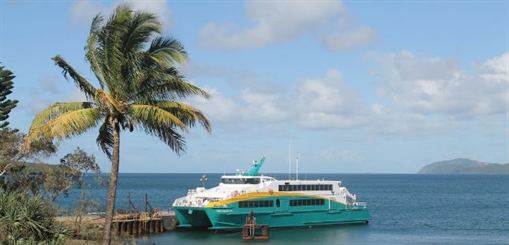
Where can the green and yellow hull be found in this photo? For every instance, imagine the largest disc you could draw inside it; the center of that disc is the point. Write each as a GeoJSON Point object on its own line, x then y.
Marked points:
{"type": "Point", "coordinates": [275, 209]}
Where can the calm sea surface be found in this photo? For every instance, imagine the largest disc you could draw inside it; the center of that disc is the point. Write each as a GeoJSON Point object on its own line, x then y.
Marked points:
{"type": "Point", "coordinates": [405, 209]}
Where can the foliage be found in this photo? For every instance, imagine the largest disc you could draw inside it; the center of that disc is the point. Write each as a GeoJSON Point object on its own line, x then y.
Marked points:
{"type": "Point", "coordinates": [52, 181]}
{"type": "Point", "coordinates": [6, 86]}
{"type": "Point", "coordinates": [12, 161]}
{"type": "Point", "coordinates": [491, 168]}
{"type": "Point", "coordinates": [27, 219]}
{"type": "Point", "coordinates": [139, 88]}
{"type": "Point", "coordinates": [70, 172]}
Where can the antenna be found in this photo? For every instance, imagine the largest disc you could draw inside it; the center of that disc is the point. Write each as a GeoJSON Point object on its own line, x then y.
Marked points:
{"type": "Point", "coordinates": [297, 167]}
{"type": "Point", "coordinates": [290, 161]}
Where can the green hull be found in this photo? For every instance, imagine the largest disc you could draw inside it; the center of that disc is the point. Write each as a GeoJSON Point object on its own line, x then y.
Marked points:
{"type": "Point", "coordinates": [233, 216]}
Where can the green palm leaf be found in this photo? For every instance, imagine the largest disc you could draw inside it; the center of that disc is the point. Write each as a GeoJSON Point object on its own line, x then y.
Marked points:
{"type": "Point", "coordinates": [62, 120]}
{"type": "Point", "coordinates": [80, 81]}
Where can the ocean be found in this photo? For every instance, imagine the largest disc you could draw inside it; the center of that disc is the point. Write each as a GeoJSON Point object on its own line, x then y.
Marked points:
{"type": "Point", "coordinates": [405, 209]}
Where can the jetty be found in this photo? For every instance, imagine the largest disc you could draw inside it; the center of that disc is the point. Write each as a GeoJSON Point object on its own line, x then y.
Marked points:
{"type": "Point", "coordinates": [152, 220]}
{"type": "Point", "coordinates": [144, 223]}
{"type": "Point", "coordinates": [136, 223]}
{"type": "Point", "coordinates": [132, 221]}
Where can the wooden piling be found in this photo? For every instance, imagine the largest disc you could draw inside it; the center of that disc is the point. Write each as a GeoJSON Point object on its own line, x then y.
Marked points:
{"type": "Point", "coordinates": [253, 231]}
{"type": "Point", "coordinates": [137, 226]}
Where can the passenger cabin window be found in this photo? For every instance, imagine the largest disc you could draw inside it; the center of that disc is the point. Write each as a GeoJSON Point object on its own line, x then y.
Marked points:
{"type": "Point", "coordinates": [241, 180]}
{"type": "Point", "coordinates": [256, 204]}
{"type": "Point", "coordinates": [315, 187]}
{"type": "Point", "coordinates": [307, 202]}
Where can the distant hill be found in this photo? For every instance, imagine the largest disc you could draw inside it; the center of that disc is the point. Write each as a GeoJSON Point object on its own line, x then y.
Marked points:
{"type": "Point", "coordinates": [464, 166]}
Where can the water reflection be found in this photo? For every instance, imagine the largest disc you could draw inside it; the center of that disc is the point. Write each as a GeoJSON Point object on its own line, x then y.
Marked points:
{"type": "Point", "coordinates": [322, 235]}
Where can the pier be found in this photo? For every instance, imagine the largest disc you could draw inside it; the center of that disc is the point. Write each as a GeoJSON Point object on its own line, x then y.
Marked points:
{"type": "Point", "coordinates": [133, 221]}
{"type": "Point", "coordinates": [142, 224]}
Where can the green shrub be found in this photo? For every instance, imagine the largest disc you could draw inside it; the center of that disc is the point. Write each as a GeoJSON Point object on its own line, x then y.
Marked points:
{"type": "Point", "coordinates": [27, 219]}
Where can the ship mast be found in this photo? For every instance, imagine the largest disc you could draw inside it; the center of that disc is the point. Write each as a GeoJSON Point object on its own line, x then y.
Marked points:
{"type": "Point", "coordinates": [297, 167]}
{"type": "Point", "coordinates": [290, 161]}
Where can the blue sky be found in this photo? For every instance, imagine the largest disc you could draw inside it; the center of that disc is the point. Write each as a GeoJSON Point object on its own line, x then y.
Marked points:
{"type": "Point", "coordinates": [352, 86]}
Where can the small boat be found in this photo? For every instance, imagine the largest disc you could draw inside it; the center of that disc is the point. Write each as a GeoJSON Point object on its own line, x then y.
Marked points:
{"type": "Point", "coordinates": [276, 203]}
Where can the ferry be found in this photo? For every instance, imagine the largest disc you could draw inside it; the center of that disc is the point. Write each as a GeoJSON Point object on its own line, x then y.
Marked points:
{"type": "Point", "coordinates": [276, 203]}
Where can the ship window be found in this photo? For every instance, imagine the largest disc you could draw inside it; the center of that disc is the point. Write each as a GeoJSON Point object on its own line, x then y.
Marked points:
{"type": "Point", "coordinates": [278, 203]}
{"type": "Point", "coordinates": [305, 187]}
{"type": "Point", "coordinates": [256, 204]}
{"type": "Point", "coordinates": [307, 202]}
{"type": "Point", "coordinates": [253, 181]}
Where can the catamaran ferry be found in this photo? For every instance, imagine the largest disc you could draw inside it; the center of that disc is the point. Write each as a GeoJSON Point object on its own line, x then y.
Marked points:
{"type": "Point", "coordinates": [277, 203]}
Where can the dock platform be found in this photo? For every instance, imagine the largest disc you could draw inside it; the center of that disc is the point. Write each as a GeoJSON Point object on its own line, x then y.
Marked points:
{"type": "Point", "coordinates": [144, 223]}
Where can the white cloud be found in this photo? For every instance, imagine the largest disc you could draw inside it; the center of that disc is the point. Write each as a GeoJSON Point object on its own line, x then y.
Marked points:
{"type": "Point", "coordinates": [416, 97]}
{"type": "Point", "coordinates": [275, 22]}
{"type": "Point", "coordinates": [262, 107]}
{"type": "Point", "coordinates": [495, 70]}
{"type": "Point", "coordinates": [344, 40]}
{"type": "Point", "coordinates": [83, 11]}
{"type": "Point", "coordinates": [159, 7]}
{"type": "Point", "coordinates": [281, 21]}
{"type": "Point", "coordinates": [328, 103]}
{"type": "Point", "coordinates": [319, 103]}
{"type": "Point", "coordinates": [218, 109]}
{"type": "Point", "coordinates": [434, 94]}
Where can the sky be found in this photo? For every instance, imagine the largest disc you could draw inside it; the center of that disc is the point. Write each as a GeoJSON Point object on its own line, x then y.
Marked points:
{"type": "Point", "coordinates": [330, 86]}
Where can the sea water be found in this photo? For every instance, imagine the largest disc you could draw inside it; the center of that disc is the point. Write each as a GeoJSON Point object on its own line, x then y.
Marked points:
{"type": "Point", "coordinates": [405, 209]}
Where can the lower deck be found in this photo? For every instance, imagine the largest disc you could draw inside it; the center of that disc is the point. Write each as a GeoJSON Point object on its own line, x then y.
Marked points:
{"type": "Point", "coordinates": [276, 212]}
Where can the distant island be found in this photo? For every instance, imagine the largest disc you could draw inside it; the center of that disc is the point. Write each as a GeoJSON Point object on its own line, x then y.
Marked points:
{"type": "Point", "coordinates": [464, 166]}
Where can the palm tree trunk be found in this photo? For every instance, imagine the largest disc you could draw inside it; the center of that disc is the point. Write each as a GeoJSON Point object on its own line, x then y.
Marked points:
{"type": "Point", "coordinates": [112, 191]}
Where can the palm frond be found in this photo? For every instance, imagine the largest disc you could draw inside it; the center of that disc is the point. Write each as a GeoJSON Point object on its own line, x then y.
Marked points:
{"type": "Point", "coordinates": [105, 101]}
{"type": "Point", "coordinates": [166, 134]}
{"type": "Point", "coordinates": [67, 125]}
{"type": "Point", "coordinates": [93, 51]}
{"type": "Point", "coordinates": [80, 81]}
{"type": "Point", "coordinates": [110, 44]}
{"type": "Point", "coordinates": [166, 51]}
{"type": "Point", "coordinates": [163, 117]}
{"type": "Point", "coordinates": [187, 114]}
{"type": "Point", "coordinates": [56, 110]}
{"type": "Point", "coordinates": [167, 85]}
{"type": "Point", "coordinates": [105, 138]}
{"type": "Point", "coordinates": [155, 116]}
{"type": "Point", "coordinates": [139, 30]}
{"type": "Point", "coordinates": [169, 136]}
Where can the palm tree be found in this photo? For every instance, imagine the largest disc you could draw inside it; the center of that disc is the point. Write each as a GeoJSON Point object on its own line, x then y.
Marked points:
{"type": "Point", "coordinates": [139, 88]}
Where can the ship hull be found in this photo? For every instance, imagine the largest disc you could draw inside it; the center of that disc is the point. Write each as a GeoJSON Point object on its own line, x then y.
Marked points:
{"type": "Point", "coordinates": [233, 217]}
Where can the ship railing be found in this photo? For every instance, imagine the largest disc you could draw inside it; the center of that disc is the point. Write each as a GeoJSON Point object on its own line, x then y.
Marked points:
{"type": "Point", "coordinates": [356, 205]}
